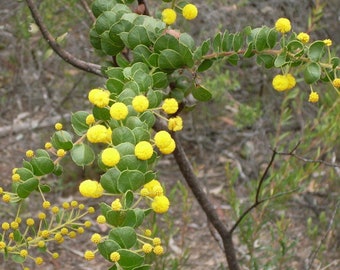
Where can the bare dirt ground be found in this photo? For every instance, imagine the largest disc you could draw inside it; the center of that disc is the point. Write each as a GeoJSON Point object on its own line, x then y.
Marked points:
{"type": "Point", "coordinates": [36, 91]}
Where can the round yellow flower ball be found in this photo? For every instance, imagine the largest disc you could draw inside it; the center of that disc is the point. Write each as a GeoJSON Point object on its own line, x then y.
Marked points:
{"type": "Point", "coordinates": [110, 157]}
{"type": "Point", "coordinates": [283, 25]}
{"type": "Point", "coordinates": [169, 16]}
{"type": "Point", "coordinates": [143, 150]}
{"type": "Point", "coordinates": [189, 12]}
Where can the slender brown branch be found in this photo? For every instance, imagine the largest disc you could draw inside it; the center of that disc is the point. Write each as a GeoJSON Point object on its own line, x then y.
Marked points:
{"type": "Point", "coordinates": [202, 198]}
{"type": "Point", "coordinates": [66, 56]}
{"type": "Point", "coordinates": [320, 161]}
{"type": "Point", "coordinates": [88, 10]}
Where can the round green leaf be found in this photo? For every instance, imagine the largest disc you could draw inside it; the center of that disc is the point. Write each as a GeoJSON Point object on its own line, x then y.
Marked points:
{"type": "Point", "coordinates": [107, 247]}
{"type": "Point", "coordinates": [78, 121]}
{"type": "Point", "coordinates": [25, 173]}
{"type": "Point", "coordinates": [130, 180]}
{"type": "Point", "coordinates": [101, 113]}
{"type": "Point", "coordinates": [201, 93]}
{"type": "Point", "coordinates": [99, 6]}
{"type": "Point", "coordinates": [138, 35]}
{"type": "Point", "coordinates": [141, 134]}
{"type": "Point", "coordinates": [128, 199]}
{"type": "Point", "coordinates": [126, 237]}
{"type": "Point", "coordinates": [149, 118]}
{"type": "Point", "coordinates": [82, 154]}
{"type": "Point", "coordinates": [109, 180]}
{"type": "Point", "coordinates": [129, 259]}
{"type": "Point", "coordinates": [170, 60]}
{"type": "Point", "coordinates": [24, 189]}
{"type": "Point", "coordinates": [126, 148]}
{"type": "Point", "coordinates": [123, 134]}
{"type": "Point", "coordinates": [312, 73]}
{"type": "Point", "coordinates": [62, 140]}
{"type": "Point", "coordinates": [42, 165]}
{"type": "Point", "coordinates": [316, 50]}
{"type": "Point", "coordinates": [159, 80]}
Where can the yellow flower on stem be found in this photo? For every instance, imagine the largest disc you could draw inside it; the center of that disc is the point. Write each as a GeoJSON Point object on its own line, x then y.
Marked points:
{"type": "Point", "coordinates": [189, 12]}
{"type": "Point", "coordinates": [169, 16]}
{"type": "Point", "coordinates": [283, 25]}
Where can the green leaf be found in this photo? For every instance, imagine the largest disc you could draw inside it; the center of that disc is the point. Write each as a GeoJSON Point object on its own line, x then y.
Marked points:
{"type": "Point", "coordinates": [126, 148]}
{"type": "Point", "coordinates": [62, 140]}
{"type": "Point", "coordinates": [335, 61]}
{"type": "Point", "coordinates": [130, 259]}
{"type": "Point", "coordinates": [141, 134]}
{"type": "Point", "coordinates": [41, 153]}
{"type": "Point", "coordinates": [24, 189]}
{"type": "Point", "coordinates": [42, 165]}
{"type": "Point", "coordinates": [105, 20]}
{"type": "Point", "coordinates": [99, 6]}
{"type": "Point", "coordinates": [130, 180]}
{"type": "Point", "coordinates": [139, 217]}
{"type": "Point", "coordinates": [201, 93]}
{"type": "Point", "coordinates": [312, 73]}
{"type": "Point", "coordinates": [206, 64]}
{"type": "Point", "coordinates": [187, 40]}
{"type": "Point", "coordinates": [133, 122]}
{"type": "Point", "coordinates": [143, 79]}
{"type": "Point", "coordinates": [272, 35]}
{"type": "Point", "coordinates": [111, 45]}
{"type": "Point", "coordinates": [159, 80]}
{"type": "Point", "coordinates": [130, 162]}
{"type": "Point", "coordinates": [261, 39]}
{"type": "Point", "coordinates": [107, 247]}
{"type": "Point", "coordinates": [141, 53]}
{"type": "Point", "coordinates": [217, 42]}
{"type": "Point", "coordinates": [128, 199]}
{"type": "Point", "coordinates": [109, 180]}
{"type": "Point", "coordinates": [95, 39]}
{"type": "Point", "coordinates": [24, 173]}
{"type": "Point", "coordinates": [170, 60]}
{"type": "Point", "coordinates": [250, 50]}
{"type": "Point", "coordinates": [115, 85]}
{"type": "Point", "coordinates": [82, 154]}
{"type": "Point", "coordinates": [45, 188]}
{"type": "Point", "coordinates": [233, 59]}
{"type": "Point", "coordinates": [316, 50]}
{"type": "Point", "coordinates": [149, 118]}
{"type": "Point", "coordinates": [295, 47]}
{"type": "Point", "coordinates": [126, 237]}
{"type": "Point", "coordinates": [101, 113]}
{"type": "Point", "coordinates": [281, 59]}
{"type": "Point", "coordinates": [78, 121]}
{"type": "Point", "coordinates": [237, 42]}
{"type": "Point", "coordinates": [166, 42]}
{"type": "Point", "coordinates": [266, 60]}
{"type": "Point", "coordinates": [155, 98]}
{"type": "Point", "coordinates": [123, 134]}
{"type": "Point", "coordinates": [138, 35]}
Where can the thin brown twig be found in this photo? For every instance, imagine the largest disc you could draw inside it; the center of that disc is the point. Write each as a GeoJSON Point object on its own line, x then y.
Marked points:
{"type": "Point", "coordinates": [304, 159]}
{"type": "Point", "coordinates": [65, 55]}
{"type": "Point", "coordinates": [88, 10]}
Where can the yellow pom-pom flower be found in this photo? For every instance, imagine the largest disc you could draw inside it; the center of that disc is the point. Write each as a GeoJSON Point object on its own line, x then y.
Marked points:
{"type": "Point", "coordinates": [116, 205]}
{"type": "Point", "coordinates": [280, 83]}
{"type": "Point", "coordinates": [90, 119]}
{"type": "Point", "coordinates": [283, 25]}
{"type": "Point", "coordinates": [303, 37]}
{"type": "Point", "coordinates": [169, 149]}
{"type": "Point", "coordinates": [119, 111]}
{"type": "Point", "coordinates": [96, 238]}
{"type": "Point", "coordinates": [169, 16]}
{"type": "Point", "coordinates": [313, 97]}
{"type": "Point", "coordinates": [99, 97]}
{"type": "Point", "coordinates": [110, 157]}
{"type": "Point", "coordinates": [162, 139]}
{"type": "Point", "coordinates": [91, 189]}
{"type": "Point", "coordinates": [58, 126]}
{"type": "Point", "coordinates": [189, 12]}
{"type": "Point", "coordinates": [153, 188]}
{"type": "Point", "coordinates": [115, 256]}
{"type": "Point", "coordinates": [170, 105]}
{"type": "Point", "coordinates": [328, 42]}
{"type": "Point", "coordinates": [89, 255]}
{"type": "Point", "coordinates": [291, 81]}
{"type": "Point", "coordinates": [29, 153]}
{"type": "Point", "coordinates": [160, 204]}
{"type": "Point", "coordinates": [101, 219]}
{"type": "Point", "coordinates": [147, 248]}
{"type": "Point", "coordinates": [175, 123]}
{"type": "Point", "coordinates": [143, 150]}
{"type": "Point", "coordinates": [99, 134]}
{"type": "Point", "coordinates": [158, 250]}
{"type": "Point", "coordinates": [61, 152]}
{"type": "Point", "coordinates": [336, 83]}
{"type": "Point", "coordinates": [140, 103]}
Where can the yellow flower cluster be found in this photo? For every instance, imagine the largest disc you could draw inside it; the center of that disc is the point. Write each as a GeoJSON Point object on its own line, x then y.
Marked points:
{"type": "Point", "coordinates": [140, 103]}
{"type": "Point", "coordinates": [99, 134]}
{"type": "Point", "coordinates": [152, 189]}
{"type": "Point", "coordinates": [116, 205]}
{"type": "Point", "coordinates": [175, 123]}
{"type": "Point", "coordinates": [170, 105]}
{"type": "Point", "coordinates": [313, 97]}
{"type": "Point", "coordinates": [160, 204]}
{"type": "Point", "coordinates": [336, 83]}
{"type": "Point", "coordinates": [165, 143]}
{"type": "Point", "coordinates": [303, 37]}
{"type": "Point", "coordinates": [91, 189]}
{"type": "Point", "coordinates": [189, 12]}
{"type": "Point", "coordinates": [99, 97]}
{"type": "Point", "coordinates": [110, 157]}
{"type": "Point", "coordinates": [283, 25]}
{"type": "Point", "coordinates": [283, 82]}
{"type": "Point", "coordinates": [143, 150]}
{"type": "Point", "coordinates": [119, 111]}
